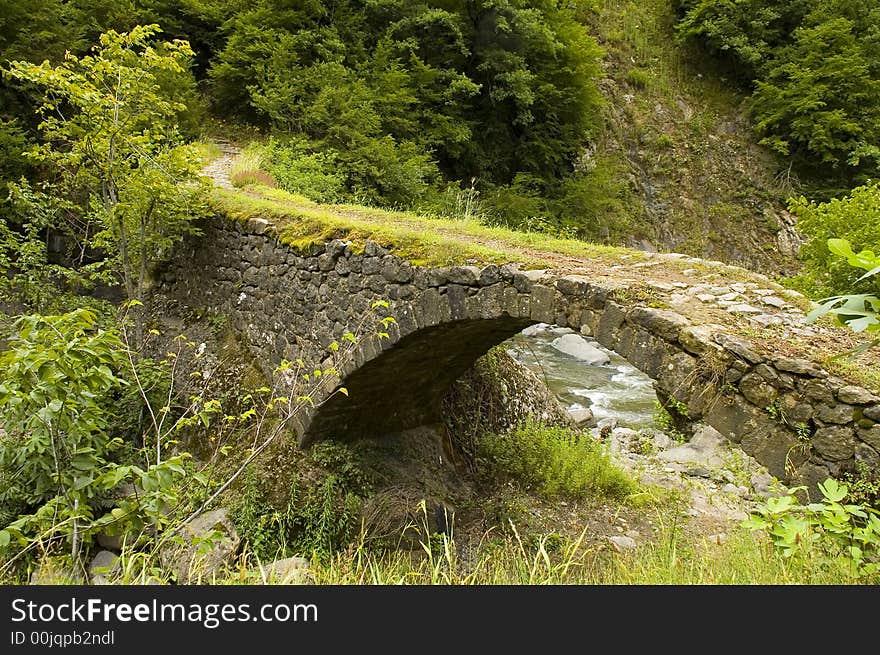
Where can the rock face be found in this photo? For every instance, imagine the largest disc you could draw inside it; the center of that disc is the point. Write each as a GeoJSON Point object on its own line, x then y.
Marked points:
{"type": "Point", "coordinates": [788, 413]}
{"type": "Point", "coordinates": [579, 348]}
{"type": "Point", "coordinates": [209, 542]}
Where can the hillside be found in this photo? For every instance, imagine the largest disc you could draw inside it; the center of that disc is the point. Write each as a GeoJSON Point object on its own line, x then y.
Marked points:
{"type": "Point", "coordinates": [697, 181]}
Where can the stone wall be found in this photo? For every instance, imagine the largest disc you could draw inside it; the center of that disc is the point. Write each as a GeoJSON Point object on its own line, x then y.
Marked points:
{"type": "Point", "coordinates": [793, 417]}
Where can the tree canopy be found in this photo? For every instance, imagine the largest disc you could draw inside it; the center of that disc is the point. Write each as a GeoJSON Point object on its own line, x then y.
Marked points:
{"type": "Point", "coordinates": [813, 71]}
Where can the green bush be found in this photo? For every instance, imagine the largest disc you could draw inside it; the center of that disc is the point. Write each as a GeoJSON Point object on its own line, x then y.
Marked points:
{"type": "Point", "coordinates": [401, 92]}
{"type": "Point", "coordinates": [855, 218]}
{"type": "Point", "coordinates": [811, 69]}
{"type": "Point", "coordinates": [839, 531]}
{"type": "Point", "coordinates": [62, 375]}
{"type": "Point", "coordinates": [262, 526]}
{"type": "Point", "coordinates": [556, 461]}
{"type": "Point", "coordinates": [860, 311]}
{"type": "Point", "coordinates": [301, 170]}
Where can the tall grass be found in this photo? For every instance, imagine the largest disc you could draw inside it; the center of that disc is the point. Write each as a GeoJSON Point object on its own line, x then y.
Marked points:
{"type": "Point", "coordinates": [510, 558]}
{"type": "Point", "coordinates": [556, 461]}
{"type": "Point", "coordinates": [247, 168]}
{"type": "Point", "coordinates": [744, 559]}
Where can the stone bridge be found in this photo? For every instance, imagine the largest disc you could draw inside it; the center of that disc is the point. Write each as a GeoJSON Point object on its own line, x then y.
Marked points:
{"type": "Point", "coordinates": [703, 339]}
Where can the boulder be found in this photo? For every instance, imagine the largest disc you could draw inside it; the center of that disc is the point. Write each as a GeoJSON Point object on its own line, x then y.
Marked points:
{"type": "Point", "coordinates": [702, 450]}
{"type": "Point", "coordinates": [532, 330]}
{"type": "Point", "coordinates": [579, 348]}
{"type": "Point", "coordinates": [582, 416]}
{"type": "Point", "coordinates": [103, 567]}
{"type": "Point", "coordinates": [621, 543]}
{"type": "Point", "coordinates": [207, 543]}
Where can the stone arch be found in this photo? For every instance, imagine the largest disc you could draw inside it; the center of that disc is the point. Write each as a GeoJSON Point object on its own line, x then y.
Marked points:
{"type": "Point", "coordinates": [291, 304]}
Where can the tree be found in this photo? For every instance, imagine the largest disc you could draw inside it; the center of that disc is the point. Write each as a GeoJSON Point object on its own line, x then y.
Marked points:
{"type": "Point", "coordinates": [485, 88]}
{"type": "Point", "coordinates": [111, 139]}
{"type": "Point", "coordinates": [818, 99]}
{"type": "Point", "coordinates": [813, 69]}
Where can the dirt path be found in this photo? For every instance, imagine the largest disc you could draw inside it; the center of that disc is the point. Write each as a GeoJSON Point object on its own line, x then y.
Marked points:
{"type": "Point", "coordinates": [218, 170]}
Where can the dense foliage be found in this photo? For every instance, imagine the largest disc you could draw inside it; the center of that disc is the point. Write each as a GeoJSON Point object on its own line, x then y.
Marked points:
{"type": "Point", "coordinates": [118, 176]}
{"type": "Point", "coordinates": [401, 100]}
{"type": "Point", "coordinates": [63, 464]}
{"type": "Point", "coordinates": [403, 97]}
{"type": "Point", "coordinates": [487, 108]}
{"type": "Point", "coordinates": [854, 217]}
{"type": "Point", "coordinates": [555, 461]}
{"type": "Point", "coordinates": [859, 311]}
{"type": "Point", "coordinates": [813, 69]}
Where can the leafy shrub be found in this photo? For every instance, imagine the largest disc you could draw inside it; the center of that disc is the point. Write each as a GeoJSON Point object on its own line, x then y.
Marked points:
{"type": "Point", "coordinates": [61, 375]}
{"type": "Point", "coordinates": [864, 486]}
{"type": "Point", "coordinates": [322, 518]}
{"type": "Point", "coordinates": [837, 531]}
{"type": "Point", "coordinates": [859, 312]}
{"type": "Point", "coordinates": [667, 423]}
{"type": "Point", "coordinates": [320, 514]}
{"type": "Point", "coordinates": [260, 525]}
{"type": "Point", "coordinates": [555, 460]}
{"type": "Point", "coordinates": [301, 170]}
{"type": "Point", "coordinates": [520, 205]}
{"type": "Point", "coordinates": [855, 218]}
{"type": "Point", "coordinates": [392, 99]}
{"type": "Point", "coordinates": [811, 69]}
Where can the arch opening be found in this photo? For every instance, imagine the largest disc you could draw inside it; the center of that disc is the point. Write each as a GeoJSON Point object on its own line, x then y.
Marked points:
{"type": "Point", "coordinates": [404, 386]}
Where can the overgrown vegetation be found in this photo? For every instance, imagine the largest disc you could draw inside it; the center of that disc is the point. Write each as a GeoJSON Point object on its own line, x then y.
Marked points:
{"type": "Point", "coordinates": [854, 218]}
{"type": "Point", "coordinates": [483, 121]}
{"type": "Point", "coordinates": [63, 463]}
{"type": "Point", "coordinates": [118, 178]}
{"type": "Point", "coordinates": [837, 532]}
{"type": "Point", "coordinates": [812, 70]}
{"type": "Point", "coordinates": [555, 461]}
{"type": "Point", "coordinates": [859, 312]}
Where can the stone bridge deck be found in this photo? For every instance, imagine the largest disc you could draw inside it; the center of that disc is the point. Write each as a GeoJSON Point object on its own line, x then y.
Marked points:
{"type": "Point", "coordinates": [724, 346]}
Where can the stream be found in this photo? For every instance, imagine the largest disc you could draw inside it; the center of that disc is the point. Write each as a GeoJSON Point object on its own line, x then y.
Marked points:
{"type": "Point", "coordinates": [610, 389]}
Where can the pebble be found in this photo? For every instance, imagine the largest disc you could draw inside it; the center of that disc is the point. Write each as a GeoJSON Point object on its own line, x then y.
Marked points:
{"type": "Point", "coordinates": [621, 543]}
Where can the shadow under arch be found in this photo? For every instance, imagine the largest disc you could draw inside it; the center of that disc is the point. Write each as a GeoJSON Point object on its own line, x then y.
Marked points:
{"type": "Point", "coordinates": [403, 386]}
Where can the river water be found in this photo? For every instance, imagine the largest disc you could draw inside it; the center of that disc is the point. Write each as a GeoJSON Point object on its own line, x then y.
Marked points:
{"type": "Point", "coordinates": [613, 389]}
